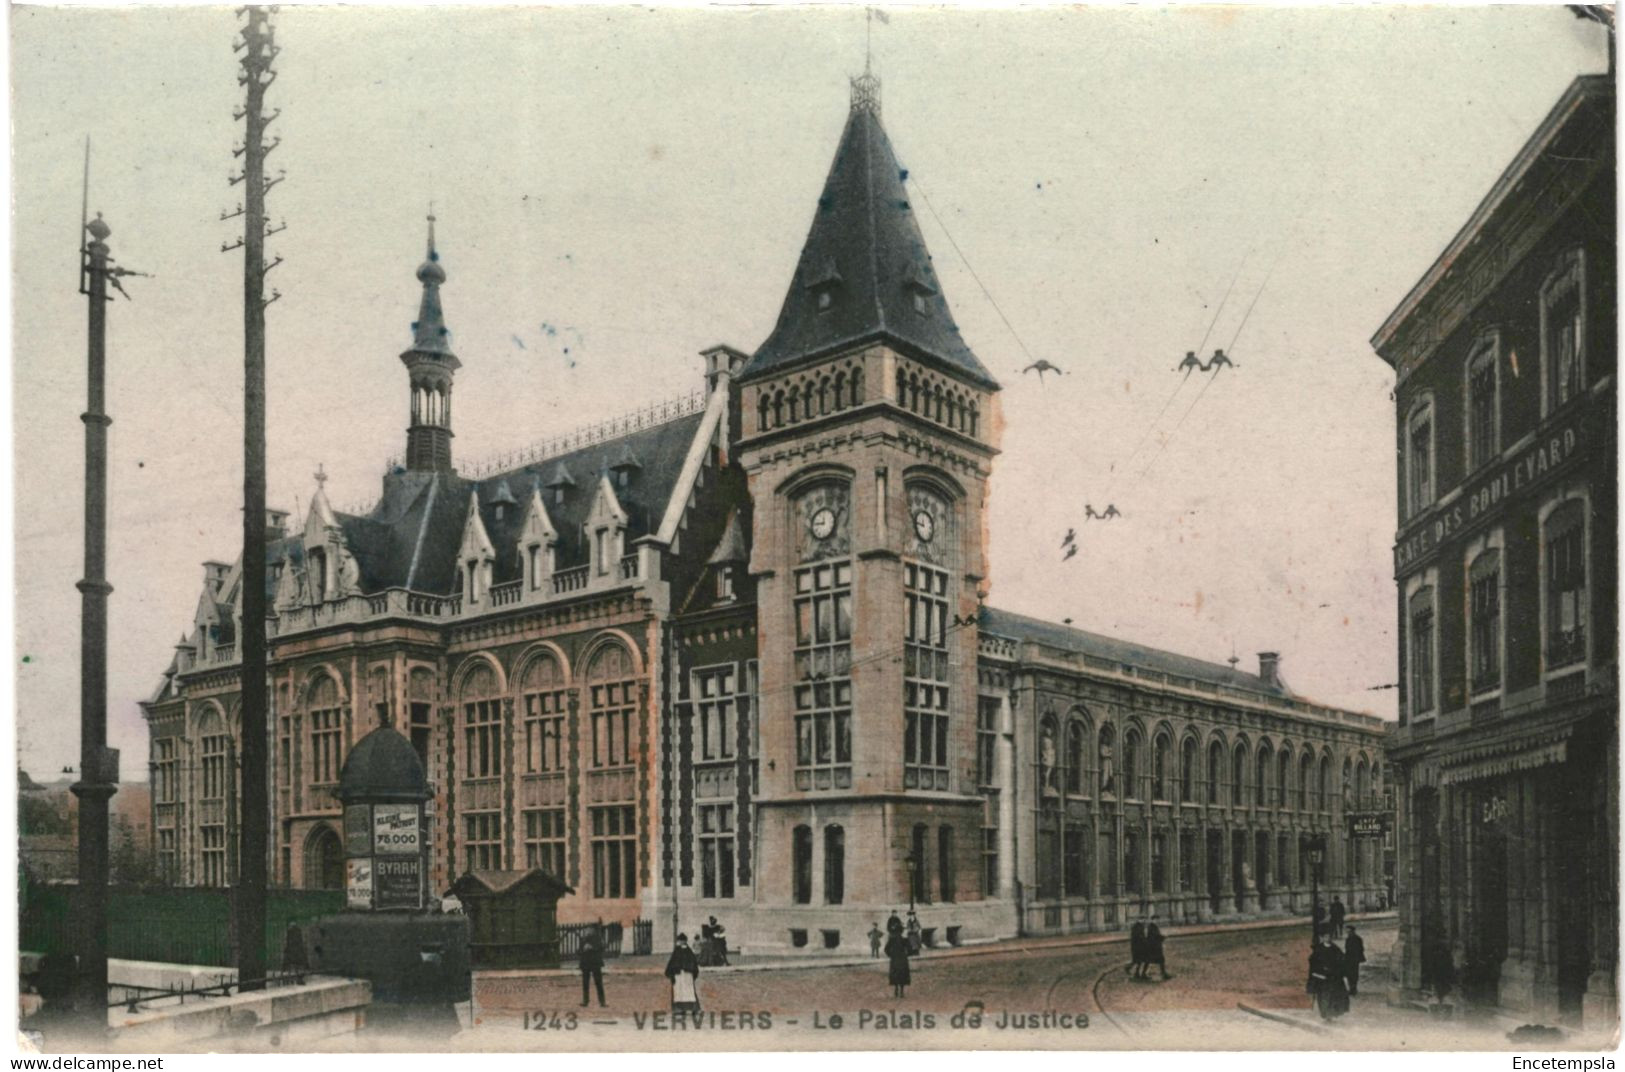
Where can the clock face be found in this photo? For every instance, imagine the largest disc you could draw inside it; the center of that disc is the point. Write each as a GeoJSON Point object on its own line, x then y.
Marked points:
{"type": "Point", "coordinates": [822, 523]}
{"type": "Point", "coordinates": [925, 526]}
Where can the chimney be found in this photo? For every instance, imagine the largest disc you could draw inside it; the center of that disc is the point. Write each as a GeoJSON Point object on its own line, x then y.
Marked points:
{"type": "Point", "coordinates": [1269, 668]}
{"type": "Point", "coordinates": [214, 574]}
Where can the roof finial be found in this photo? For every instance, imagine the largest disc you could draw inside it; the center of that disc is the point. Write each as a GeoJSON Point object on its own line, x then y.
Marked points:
{"type": "Point", "coordinates": [432, 255]}
{"type": "Point", "coordinates": [321, 477]}
{"type": "Point", "coordinates": [866, 87]}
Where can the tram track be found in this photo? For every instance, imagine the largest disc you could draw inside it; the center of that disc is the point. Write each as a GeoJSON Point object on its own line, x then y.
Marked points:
{"type": "Point", "coordinates": [1100, 1009]}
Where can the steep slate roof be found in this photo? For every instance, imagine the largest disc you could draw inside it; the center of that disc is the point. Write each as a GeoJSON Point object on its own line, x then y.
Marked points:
{"type": "Point", "coordinates": [1020, 627]}
{"type": "Point", "coordinates": [411, 538]}
{"type": "Point", "coordinates": [866, 245]}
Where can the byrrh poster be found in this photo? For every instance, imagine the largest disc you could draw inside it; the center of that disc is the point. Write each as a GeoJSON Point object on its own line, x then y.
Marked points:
{"type": "Point", "coordinates": [877, 528]}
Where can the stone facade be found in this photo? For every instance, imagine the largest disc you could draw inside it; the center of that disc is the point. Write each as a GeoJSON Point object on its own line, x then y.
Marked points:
{"type": "Point", "coordinates": [1506, 756]}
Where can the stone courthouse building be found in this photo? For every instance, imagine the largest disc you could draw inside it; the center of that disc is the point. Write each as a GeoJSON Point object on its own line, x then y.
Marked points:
{"type": "Point", "coordinates": [731, 656]}
{"type": "Point", "coordinates": [1506, 756]}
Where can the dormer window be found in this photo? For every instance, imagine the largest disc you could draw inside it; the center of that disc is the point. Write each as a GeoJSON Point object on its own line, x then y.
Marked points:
{"type": "Point", "coordinates": [725, 583]}
{"type": "Point", "coordinates": [558, 495]}
{"type": "Point", "coordinates": [919, 302]}
{"type": "Point", "coordinates": [825, 297]}
{"type": "Point", "coordinates": [535, 553]}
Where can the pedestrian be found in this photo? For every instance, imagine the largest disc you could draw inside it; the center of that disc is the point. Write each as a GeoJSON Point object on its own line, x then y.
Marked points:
{"type": "Point", "coordinates": [1353, 957]}
{"type": "Point", "coordinates": [591, 960]}
{"type": "Point", "coordinates": [894, 925]}
{"type": "Point", "coordinates": [1317, 972]}
{"type": "Point", "coordinates": [1153, 950]}
{"type": "Point", "coordinates": [1136, 949]}
{"type": "Point", "coordinates": [916, 936]}
{"type": "Point", "coordinates": [1337, 991]}
{"type": "Point", "coordinates": [897, 971]}
{"type": "Point", "coordinates": [684, 973]}
{"type": "Point", "coordinates": [1338, 913]}
{"type": "Point", "coordinates": [719, 942]}
{"type": "Point", "coordinates": [1318, 914]}
{"type": "Point", "coordinates": [876, 937]}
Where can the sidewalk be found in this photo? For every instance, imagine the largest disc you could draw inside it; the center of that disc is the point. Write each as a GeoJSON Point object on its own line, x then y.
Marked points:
{"type": "Point", "coordinates": [655, 964]}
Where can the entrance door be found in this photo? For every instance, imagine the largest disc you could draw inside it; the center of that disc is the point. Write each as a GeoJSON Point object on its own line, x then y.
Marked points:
{"type": "Point", "coordinates": [324, 861]}
{"type": "Point", "coordinates": [1490, 913]}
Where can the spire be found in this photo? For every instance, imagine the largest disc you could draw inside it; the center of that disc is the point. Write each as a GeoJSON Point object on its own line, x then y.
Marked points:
{"type": "Point", "coordinates": [864, 272]}
{"type": "Point", "coordinates": [429, 332]}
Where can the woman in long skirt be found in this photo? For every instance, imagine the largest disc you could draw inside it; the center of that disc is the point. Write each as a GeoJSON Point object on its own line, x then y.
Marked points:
{"type": "Point", "coordinates": [898, 973]}
{"type": "Point", "coordinates": [684, 972]}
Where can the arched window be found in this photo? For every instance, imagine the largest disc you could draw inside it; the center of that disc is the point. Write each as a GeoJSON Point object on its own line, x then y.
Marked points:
{"type": "Point", "coordinates": [762, 412]}
{"type": "Point", "coordinates": [326, 732]}
{"type": "Point", "coordinates": [1306, 778]}
{"type": "Point", "coordinates": [1215, 768]}
{"type": "Point", "coordinates": [857, 386]}
{"type": "Point", "coordinates": [1131, 765]}
{"type": "Point", "coordinates": [1283, 768]}
{"type": "Point", "coordinates": [902, 388]}
{"type": "Point", "coordinates": [324, 860]}
{"type": "Point", "coordinates": [1159, 767]}
{"type": "Point", "coordinates": [945, 864]}
{"type": "Point", "coordinates": [1187, 771]}
{"type": "Point", "coordinates": [1324, 781]}
{"type": "Point", "coordinates": [807, 401]}
{"type": "Point", "coordinates": [482, 724]}
{"type": "Point", "coordinates": [1562, 332]}
{"type": "Point", "coordinates": [1261, 792]}
{"type": "Point", "coordinates": [1362, 784]}
{"type": "Point", "coordinates": [1484, 621]}
{"type": "Point", "coordinates": [1106, 753]}
{"type": "Point", "coordinates": [546, 705]}
{"type": "Point", "coordinates": [834, 865]}
{"type": "Point", "coordinates": [612, 698]}
{"type": "Point", "coordinates": [316, 569]}
{"type": "Point", "coordinates": [974, 413]}
{"type": "Point", "coordinates": [778, 408]}
{"type": "Point", "coordinates": [1419, 457]}
{"type": "Point", "coordinates": [794, 400]}
{"type": "Point", "coordinates": [1483, 416]}
{"type": "Point", "coordinates": [1075, 745]}
{"type": "Point", "coordinates": [1238, 773]}
{"type": "Point", "coordinates": [936, 407]}
{"type": "Point", "coordinates": [801, 852]}
{"type": "Point", "coordinates": [914, 393]}
{"type": "Point", "coordinates": [840, 390]}
{"type": "Point", "coordinates": [823, 396]}
{"type": "Point", "coordinates": [1422, 626]}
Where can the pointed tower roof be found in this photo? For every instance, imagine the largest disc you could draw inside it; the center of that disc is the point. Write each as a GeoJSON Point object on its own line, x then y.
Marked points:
{"type": "Point", "coordinates": [864, 272]}
{"type": "Point", "coordinates": [429, 332]}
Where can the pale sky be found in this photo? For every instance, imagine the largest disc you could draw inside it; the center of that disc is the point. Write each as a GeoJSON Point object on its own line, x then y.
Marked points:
{"type": "Point", "coordinates": [640, 182]}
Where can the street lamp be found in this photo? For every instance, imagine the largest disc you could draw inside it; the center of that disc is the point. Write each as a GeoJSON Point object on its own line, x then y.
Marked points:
{"type": "Point", "coordinates": [1317, 854]}
{"type": "Point", "coordinates": [913, 869]}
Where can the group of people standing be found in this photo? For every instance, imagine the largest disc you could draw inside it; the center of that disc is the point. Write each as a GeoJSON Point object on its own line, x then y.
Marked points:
{"type": "Point", "coordinates": [1334, 973]}
{"type": "Point", "coordinates": [1145, 947]}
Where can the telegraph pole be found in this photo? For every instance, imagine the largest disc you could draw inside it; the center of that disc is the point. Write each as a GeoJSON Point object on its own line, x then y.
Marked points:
{"type": "Point", "coordinates": [259, 49]}
{"type": "Point", "coordinates": [98, 764]}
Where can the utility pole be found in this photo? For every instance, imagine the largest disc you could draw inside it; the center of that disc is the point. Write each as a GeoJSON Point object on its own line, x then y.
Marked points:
{"type": "Point", "coordinates": [259, 49]}
{"type": "Point", "coordinates": [98, 764]}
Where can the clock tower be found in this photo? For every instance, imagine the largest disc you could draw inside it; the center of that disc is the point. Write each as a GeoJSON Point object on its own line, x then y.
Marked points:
{"type": "Point", "coordinates": [867, 439]}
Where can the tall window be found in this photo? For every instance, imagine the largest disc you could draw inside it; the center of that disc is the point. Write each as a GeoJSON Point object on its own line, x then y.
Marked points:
{"type": "Point", "coordinates": [1261, 791]}
{"type": "Point", "coordinates": [946, 887]}
{"type": "Point", "coordinates": [834, 865]}
{"type": "Point", "coordinates": [990, 861]}
{"type": "Point", "coordinates": [1563, 332]}
{"type": "Point", "coordinates": [823, 694]}
{"type": "Point", "coordinates": [1131, 863]}
{"type": "Point", "coordinates": [1421, 637]}
{"type": "Point", "coordinates": [214, 855]}
{"type": "Point", "coordinates": [1283, 876]}
{"type": "Point", "coordinates": [482, 724]}
{"type": "Point", "coordinates": [613, 697]}
{"type": "Point", "coordinates": [716, 850]}
{"type": "Point", "coordinates": [544, 840]}
{"type": "Point", "coordinates": [925, 677]}
{"type": "Point", "coordinates": [987, 739]}
{"type": "Point", "coordinates": [1108, 769]}
{"type": "Point", "coordinates": [326, 734]}
{"type": "Point", "coordinates": [1159, 768]}
{"type": "Point", "coordinates": [1215, 769]}
{"type": "Point", "coordinates": [919, 849]}
{"type": "Point", "coordinates": [1565, 586]}
{"type": "Point", "coordinates": [284, 751]}
{"type": "Point", "coordinates": [1324, 781]}
{"type": "Point", "coordinates": [1484, 620]}
{"type": "Point", "coordinates": [1187, 861]}
{"type": "Point", "coordinates": [1419, 458]}
{"type": "Point", "coordinates": [1283, 768]}
{"type": "Point", "coordinates": [166, 771]}
{"type": "Point", "coordinates": [801, 851]}
{"type": "Point", "coordinates": [1159, 862]}
{"type": "Point", "coordinates": [1483, 418]}
{"type": "Point", "coordinates": [545, 706]}
{"type": "Point", "coordinates": [1306, 775]}
{"type": "Point", "coordinates": [482, 841]}
{"type": "Point", "coordinates": [1072, 873]}
{"type": "Point", "coordinates": [168, 860]}
{"type": "Point", "coordinates": [1238, 774]}
{"type": "Point", "coordinates": [717, 692]}
{"type": "Point", "coordinates": [614, 851]}
{"type": "Point", "coordinates": [1187, 771]}
{"type": "Point", "coordinates": [215, 773]}
{"type": "Point", "coordinates": [1076, 748]}
{"type": "Point", "coordinates": [1131, 765]}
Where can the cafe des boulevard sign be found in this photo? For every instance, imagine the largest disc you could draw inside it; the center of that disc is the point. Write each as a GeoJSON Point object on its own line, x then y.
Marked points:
{"type": "Point", "coordinates": [1486, 497]}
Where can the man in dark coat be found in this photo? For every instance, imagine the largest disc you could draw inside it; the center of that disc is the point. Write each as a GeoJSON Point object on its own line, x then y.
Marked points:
{"type": "Point", "coordinates": [1136, 949]}
{"type": "Point", "coordinates": [1353, 957]}
{"type": "Point", "coordinates": [1338, 912]}
{"type": "Point", "coordinates": [1153, 950]}
{"type": "Point", "coordinates": [897, 971]}
{"type": "Point", "coordinates": [592, 967]}
{"type": "Point", "coordinates": [1319, 917]}
{"type": "Point", "coordinates": [894, 925]}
